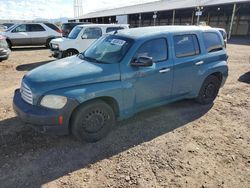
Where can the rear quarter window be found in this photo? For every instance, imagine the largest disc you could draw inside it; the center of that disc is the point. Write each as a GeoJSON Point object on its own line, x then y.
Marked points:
{"type": "Point", "coordinates": [186, 45]}
{"type": "Point", "coordinates": [212, 42]}
{"type": "Point", "coordinates": [51, 26]}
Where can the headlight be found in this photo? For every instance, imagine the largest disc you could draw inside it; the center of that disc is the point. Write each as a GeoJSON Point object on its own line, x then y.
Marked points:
{"type": "Point", "coordinates": [55, 46]}
{"type": "Point", "coordinates": [53, 101]}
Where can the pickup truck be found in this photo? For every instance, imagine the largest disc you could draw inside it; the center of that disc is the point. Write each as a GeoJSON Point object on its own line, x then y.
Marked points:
{"type": "Point", "coordinates": [121, 74]}
{"type": "Point", "coordinates": [80, 38]}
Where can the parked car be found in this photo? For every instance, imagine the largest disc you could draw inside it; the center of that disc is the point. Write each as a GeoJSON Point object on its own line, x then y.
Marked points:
{"type": "Point", "coordinates": [4, 50]}
{"type": "Point", "coordinates": [121, 74]}
{"type": "Point", "coordinates": [80, 38]}
{"type": "Point", "coordinates": [31, 34]}
{"type": "Point", "coordinates": [224, 34]}
{"type": "Point", "coordinates": [67, 27]}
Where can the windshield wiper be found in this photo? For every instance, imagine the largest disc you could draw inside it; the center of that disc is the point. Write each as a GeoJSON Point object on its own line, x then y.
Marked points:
{"type": "Point", "coordinates": [91, 59]}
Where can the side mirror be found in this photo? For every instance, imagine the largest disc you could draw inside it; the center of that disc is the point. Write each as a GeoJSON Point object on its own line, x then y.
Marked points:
{"type": "Point", "coordinates": [142, 61]}
{"type": "Point", "coordinates": [84, 36]}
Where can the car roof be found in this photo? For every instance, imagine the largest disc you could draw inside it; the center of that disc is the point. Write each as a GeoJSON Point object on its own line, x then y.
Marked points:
{"type": "Point", "coordinates": [221, 29]}
{"type": "Point", "coordinates": [142, 32]}
{"type": "Point", "coordinates": [103, 25]}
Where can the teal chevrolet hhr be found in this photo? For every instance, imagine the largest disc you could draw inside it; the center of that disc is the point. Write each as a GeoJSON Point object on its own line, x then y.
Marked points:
{"type": "Point", "coordinates": [121, 74]}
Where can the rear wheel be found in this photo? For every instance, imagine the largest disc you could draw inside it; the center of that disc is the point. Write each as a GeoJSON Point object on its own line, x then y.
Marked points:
{"type": "Point", "coordinates": [209, 90]}
{"type": "Point", "coordinates": [92, 121]}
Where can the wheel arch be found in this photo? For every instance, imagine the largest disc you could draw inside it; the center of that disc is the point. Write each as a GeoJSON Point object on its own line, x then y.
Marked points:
{"type": "Point", "coordinates": [218, 74]}
{"type": "Point", "coordinates": [72, 49]}
{"type": "Point", "coordinates": [9, 41]}
{"type": "Point", "coordinates": [112, 102]}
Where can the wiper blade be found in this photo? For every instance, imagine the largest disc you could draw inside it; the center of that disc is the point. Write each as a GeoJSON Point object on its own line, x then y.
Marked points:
{"type": "Point", "coordinates": [91, 59]}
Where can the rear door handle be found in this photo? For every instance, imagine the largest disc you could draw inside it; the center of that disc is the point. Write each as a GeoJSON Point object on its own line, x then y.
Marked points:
{"type": "Point", "coordinates": [164, 70]}
{"type": "Point", "coordinates": [199, 63]}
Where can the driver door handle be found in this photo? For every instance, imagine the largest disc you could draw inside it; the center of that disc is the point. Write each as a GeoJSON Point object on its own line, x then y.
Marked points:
{"type": "Point", "coordinates": [164, 70]}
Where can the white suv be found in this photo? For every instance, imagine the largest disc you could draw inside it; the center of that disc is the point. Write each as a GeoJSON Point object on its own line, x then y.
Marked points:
{"type": "Point", "coordinates": [31, 34]}
{"type": "Point", "coordinates": [80, 38]}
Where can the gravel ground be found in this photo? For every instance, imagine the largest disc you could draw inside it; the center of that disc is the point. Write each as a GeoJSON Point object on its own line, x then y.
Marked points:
{"type": "Point", "coordinates": [178, 145]}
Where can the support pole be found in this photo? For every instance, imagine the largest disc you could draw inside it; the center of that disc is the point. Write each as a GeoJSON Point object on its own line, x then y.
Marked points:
{"type": "Point", "coordinates": [173, 17]}
{"type": "Point", "coordinates": [231, 23]}
{"type": "Point", "coordinates": [198, 17]}
{"type": "Point", "coordinates": [192, 20]}
{"type": "Point", "coordinates": [140, 20]}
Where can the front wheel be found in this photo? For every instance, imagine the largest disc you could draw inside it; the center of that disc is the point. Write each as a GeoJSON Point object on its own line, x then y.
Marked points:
{"type": "Point", "coordinates": [209, 90]}
{"type": "Point", "coordinates": [92, 121]}
{"type": "Point", "coordinates": [68, 53]}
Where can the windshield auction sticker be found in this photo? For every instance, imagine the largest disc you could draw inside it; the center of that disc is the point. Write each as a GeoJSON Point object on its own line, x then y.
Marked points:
{"type": "Point", "coordinates": [118, 42]}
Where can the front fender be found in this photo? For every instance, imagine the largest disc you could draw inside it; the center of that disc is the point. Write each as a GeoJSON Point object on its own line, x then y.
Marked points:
{"type": "Point", "coordinates": [122, 93]}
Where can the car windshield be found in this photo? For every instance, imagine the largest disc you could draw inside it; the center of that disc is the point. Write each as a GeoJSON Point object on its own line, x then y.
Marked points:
{"type": "Point", "coordinates": [108, 49]}
{"type": "Point", "coordinates": [11, 27]}
{"type": "Point", "coordinates": [74, 33]}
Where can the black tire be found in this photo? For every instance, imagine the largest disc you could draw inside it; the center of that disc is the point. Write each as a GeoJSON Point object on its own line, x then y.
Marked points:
{"type": "Point", "coordinates": [70, 52]}
{"type": "Point", "coordinates": [92, 121]}
{"type": "Point", "coordinates": [209, 90]}
{"type": "Point", "coordinates": [47, 42]}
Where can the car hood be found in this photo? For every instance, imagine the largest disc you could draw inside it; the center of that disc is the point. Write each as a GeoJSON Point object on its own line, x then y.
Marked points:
{"type": "Point", "coordinates": [67, 72]}
{"type": "Point", "coordinates": [60, 40]}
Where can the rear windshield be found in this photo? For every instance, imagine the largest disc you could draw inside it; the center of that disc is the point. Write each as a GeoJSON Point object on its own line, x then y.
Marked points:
{"type": "Point", "coordinates": [212, 42]}
{"type": "Point", "coordinates": [223, 33]}
{"type": "Point", "coordinates": [68, 26]}
{"type": "Point", "coordinates": [74, 33]}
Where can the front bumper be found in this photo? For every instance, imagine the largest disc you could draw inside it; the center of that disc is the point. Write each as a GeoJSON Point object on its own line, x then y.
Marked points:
{"type": "Point", "coordinates": [56, 53]}
{"type": "Point", "coordinates": [44, 119]}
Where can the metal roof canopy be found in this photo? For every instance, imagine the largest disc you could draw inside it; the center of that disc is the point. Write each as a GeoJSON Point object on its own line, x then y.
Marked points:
{"type": "Point", "coordinates": [157, 6]}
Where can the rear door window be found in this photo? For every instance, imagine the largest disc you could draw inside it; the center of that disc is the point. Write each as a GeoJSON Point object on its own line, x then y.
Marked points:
{"type": "Point", "coordinates": [156, 49]}
{"type": "Point", "coordinates": [35, 27]}
{"type": "Point", "coordinates": [212, 42]}
{"type": "Point", "coordinates": [186, 45]}
{"type": "Point", "coordinates": [92, 33]}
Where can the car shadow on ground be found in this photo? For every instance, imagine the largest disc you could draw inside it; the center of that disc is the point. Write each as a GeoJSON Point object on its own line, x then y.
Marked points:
{"type": "Point", "coordinates": [28, 48]}
{"type": "Point", "coordinates": [30, 66]}
{"type": "Point", "coordinates": [33, 153]}
{"type": "Point", "coordinates": [245, 78]}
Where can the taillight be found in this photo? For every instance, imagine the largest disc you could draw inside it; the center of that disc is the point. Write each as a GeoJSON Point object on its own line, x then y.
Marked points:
{"type": "Point", "coordinates": [59, 30]}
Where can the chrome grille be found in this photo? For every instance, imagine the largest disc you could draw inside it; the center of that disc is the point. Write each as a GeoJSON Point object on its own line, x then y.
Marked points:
{"type": "Point", "coordinates": [26, 93]}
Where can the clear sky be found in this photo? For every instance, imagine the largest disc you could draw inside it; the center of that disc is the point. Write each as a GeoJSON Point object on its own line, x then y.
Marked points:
{"type": "Point", "coordinates": [31, 9]}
